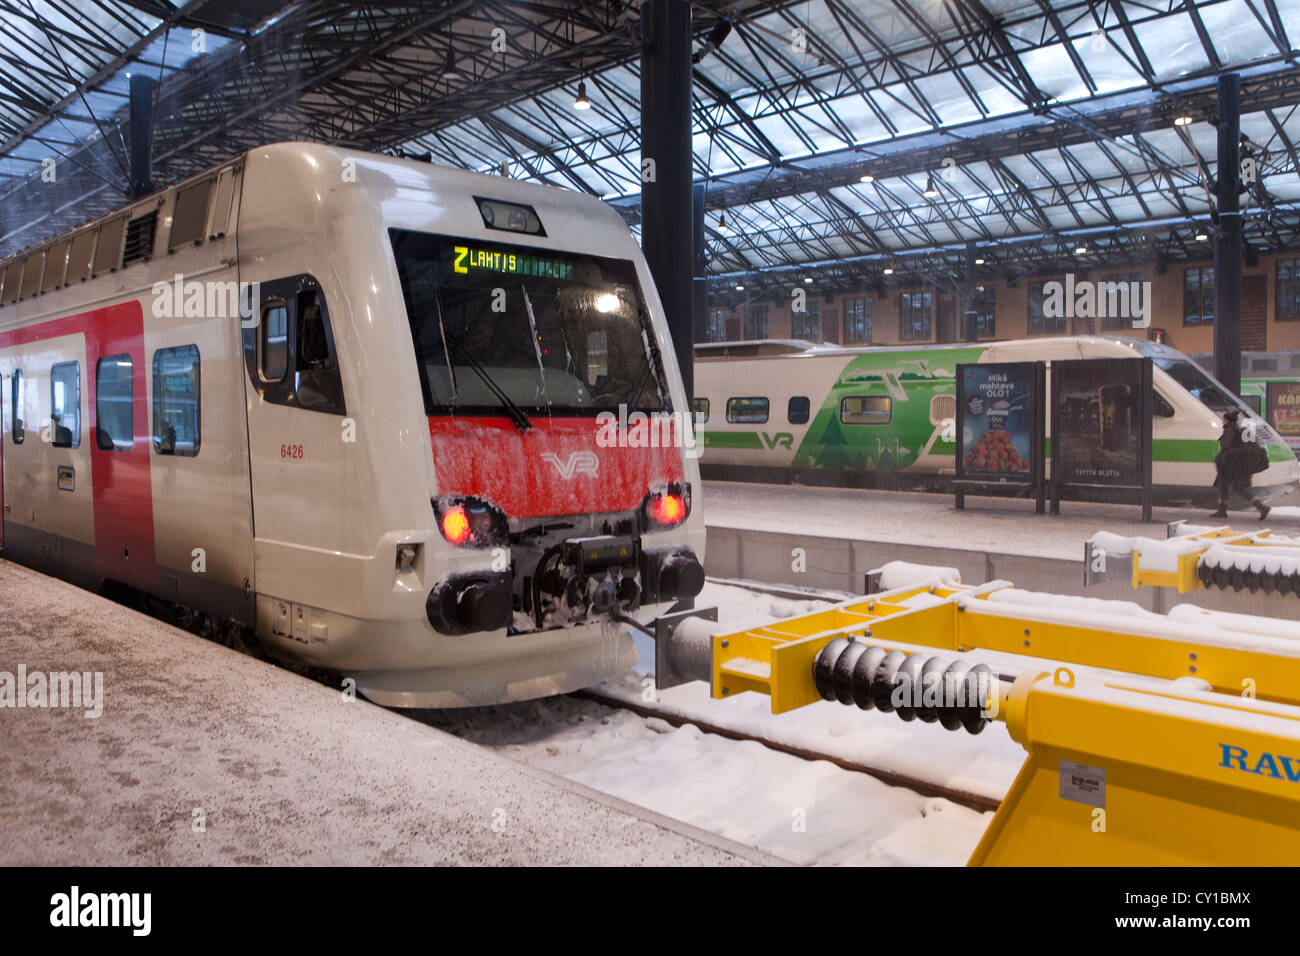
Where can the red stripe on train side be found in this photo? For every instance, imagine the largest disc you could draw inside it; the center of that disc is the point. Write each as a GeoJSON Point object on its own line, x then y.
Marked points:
{"type": "Point", "coordinates": [122, 490]}
{"type": "Point", "coordinates": [555, 468]}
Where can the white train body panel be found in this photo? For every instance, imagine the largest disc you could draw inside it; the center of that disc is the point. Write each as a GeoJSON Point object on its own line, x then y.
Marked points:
{"type": "Point", "coordinates": [291, 515]}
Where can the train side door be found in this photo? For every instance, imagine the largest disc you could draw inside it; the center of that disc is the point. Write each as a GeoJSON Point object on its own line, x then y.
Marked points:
{"type": "Point", "coordinates": [296, 426]}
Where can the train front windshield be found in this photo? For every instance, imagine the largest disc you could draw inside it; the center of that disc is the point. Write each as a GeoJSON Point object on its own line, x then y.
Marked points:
{"type": "Point", "coordinates": [1203, 388]}
{"type": "Point", "coordinates": [551, 333]}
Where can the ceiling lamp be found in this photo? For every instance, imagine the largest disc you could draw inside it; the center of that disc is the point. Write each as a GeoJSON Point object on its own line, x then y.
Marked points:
{"type": "Point", "coordinates": [740, 288]}
{"type": "Point", "coordinates": [582, 103]}
{"type": "Point", "coordinates": [1183, 120]}
{"type": "Point", "coordinates": [722, 224]}
{"type": "Point", "coordinates": [888, 271]}
{"type": "Point", "coordinates": [449, 71]}
{"type": "Point", "coordinates": [979, 262]}
{"type": "Point", "coordinates": [1201, 236]}
{"type": "Point", "coordinates": [930, 190]}
{"type": "Point", "coordinates": [807, 280]}
{"type": "Point", "coordinates": [1080, 250]}
{"type": "Point", "coordinates": [868, 178]}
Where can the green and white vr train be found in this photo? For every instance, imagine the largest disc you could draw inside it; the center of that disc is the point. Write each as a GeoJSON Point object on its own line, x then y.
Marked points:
{"type": "Point", "coordinates": [882, 416]}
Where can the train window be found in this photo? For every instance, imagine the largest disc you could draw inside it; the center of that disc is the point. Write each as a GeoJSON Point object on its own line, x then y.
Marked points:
{"type": "Point", "coordinates": [108, 251]}
{"type": "Point", "coordinates": [290, 355]}
{"type": "Point", "coordinates": [190, 215]}
{"type": "Point", "coordinates": [501, 329]}
{"type": "Point", "coordinates": [65, 405]}
{"type": "Point", "coordinates": [701, 408]}
{"type": "Point", "coordinates": [1161, 407]}
{"type": "Point", "coordinates": [176, 406]}
{"type": "Point", "coordinates": [114, 404]}
{"type": "Point", "coordinates": [16, 412]}
{"type": "Point", "coordinates": [797, 410]}
{"type": "Point", "coordinates": [747, 411]}
{"type": "Point", "coordinates": [80, 256]}
{"type": "Point", "coordinates": [55, 265]}
{"type": "Point", "coordinates": [866, 409]}
{"type": "Point", "coordinates": [1252, 402]}
{"type": "Point", "coordinates": [273, 345]}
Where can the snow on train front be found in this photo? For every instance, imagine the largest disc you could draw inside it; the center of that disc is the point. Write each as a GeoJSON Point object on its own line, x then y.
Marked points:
{"type": "Point", "coordinates": [565, 484]}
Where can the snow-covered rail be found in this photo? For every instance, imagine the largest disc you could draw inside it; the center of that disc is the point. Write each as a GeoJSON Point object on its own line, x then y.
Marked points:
{"type": "Point", "coordinates": [1188, 722]}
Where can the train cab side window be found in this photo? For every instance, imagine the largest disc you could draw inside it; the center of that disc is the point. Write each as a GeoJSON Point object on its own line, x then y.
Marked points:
{"type": "Point", "coordinates": [866, 409]}
{"type": "Point", "coordinates": [291, 355]}
{"type": "Point", "coordinates": [1161, 407]}
{"type": "Point", "coordinates": [65, 405]}
{"type": "Point", "coordinates": [17, 425]}
{"type": "Point", "coordinates": [1253, 402]}
{"type": "Point", "coordinates": [797, 410]}
{"type": "Point", "coordinates": [114, 404]}
{"type": "Point", "coordinates": [701, 408]}
{"type": "Point", "coordinates": [176, 401]}
{"type": "Point", "coordinates": [273, 342]}
{"type": "Point", "coordinates": [747, 411]}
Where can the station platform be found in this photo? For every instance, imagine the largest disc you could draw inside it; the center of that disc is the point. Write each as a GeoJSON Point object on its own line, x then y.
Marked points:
{"type": "Point", "coordinates": [755, 529]}
{"type": "Point", "coordinates": [278, 768]}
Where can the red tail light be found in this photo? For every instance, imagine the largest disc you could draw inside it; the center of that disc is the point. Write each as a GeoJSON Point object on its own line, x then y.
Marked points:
{"type": "Point", "coordinates": [455, 525]}
{"type": "Point", "coordinates": [671, 506]}
{"type": "Point", "coordinates": [668, 509]}
{"type": "Point", "coordinates": [471, 522]}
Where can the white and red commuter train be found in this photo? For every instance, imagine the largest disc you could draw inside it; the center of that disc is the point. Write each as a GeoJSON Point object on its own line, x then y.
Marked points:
{"type": "Point", "coordinates": [354, 403]}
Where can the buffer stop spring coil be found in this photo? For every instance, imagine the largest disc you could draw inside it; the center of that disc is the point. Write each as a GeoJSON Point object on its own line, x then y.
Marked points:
{"type": "Point", "coordinates": [930, 688]}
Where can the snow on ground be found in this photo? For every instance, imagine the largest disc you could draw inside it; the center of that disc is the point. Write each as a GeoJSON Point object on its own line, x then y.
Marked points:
{"type": "Point", "coordinates": [987, 524]}
{"type": "Point", "coordinates": [803, 811]}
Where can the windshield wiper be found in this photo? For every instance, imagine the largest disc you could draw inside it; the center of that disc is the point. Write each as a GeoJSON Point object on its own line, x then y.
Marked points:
{"type": "Point", "coordinates": [516, 413]}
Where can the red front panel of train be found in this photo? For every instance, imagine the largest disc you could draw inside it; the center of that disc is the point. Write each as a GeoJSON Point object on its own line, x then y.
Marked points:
{"type": "Point", "coordinates": [555, 468]}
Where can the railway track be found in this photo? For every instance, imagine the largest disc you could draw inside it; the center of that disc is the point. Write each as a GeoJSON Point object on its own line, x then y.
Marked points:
{"type": "Point", "coordinates": [929, 788]}
{"type": "Point", "coordinates": [242, 642]}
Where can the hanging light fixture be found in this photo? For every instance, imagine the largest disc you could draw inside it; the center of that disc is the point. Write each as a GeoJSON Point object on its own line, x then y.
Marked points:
{"type": "Point", "coordinates": [867, 178]}
{"type": "Point", "coordinates": [979, 262]}
{"type": "Point", "coordinates": [1183, 120]}
{"type": "Point", "coordinates": [1080, 250]}
{"type": "Point", "coordinates": [1202, 236]}
{"type": "Point", "coordinates": [740, 288]}
{"type": "Point", "coordinates": [889, 271]}
{"type": "Point", "coordinates": [449, 71]}
{"type": "Point", "coordinates": [581, 102]}
{"type": "Point", "coordinates": [807, 280]}
{"type": "Point", "coordinates": [930, 190]}
{"type": "Point", "coordinates": [722, 224]}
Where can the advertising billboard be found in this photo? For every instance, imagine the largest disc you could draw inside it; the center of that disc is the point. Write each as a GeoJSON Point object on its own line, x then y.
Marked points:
{"type": "Point", "coordinates": [996, 421]}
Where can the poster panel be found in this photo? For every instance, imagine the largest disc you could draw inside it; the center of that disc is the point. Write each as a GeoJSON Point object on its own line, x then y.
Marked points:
{"type": "Point", "coordinates": [996, 421]}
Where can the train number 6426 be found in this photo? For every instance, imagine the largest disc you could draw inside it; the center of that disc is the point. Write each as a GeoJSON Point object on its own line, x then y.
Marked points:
{"type": "Point", "coordinates": [291, 451]}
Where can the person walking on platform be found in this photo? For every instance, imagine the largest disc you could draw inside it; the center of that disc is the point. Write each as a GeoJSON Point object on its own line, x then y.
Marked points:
{"type": "Point", "coordinates": [1234, 466]}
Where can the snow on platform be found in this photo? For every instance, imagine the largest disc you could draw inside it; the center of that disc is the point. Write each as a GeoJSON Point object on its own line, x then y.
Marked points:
{"type": "Point", "coordinates": [927, 518]}
{"type": "Point", "coordinates": [281, 768]}
{"type": "Point", "coordinates": [755, 531]}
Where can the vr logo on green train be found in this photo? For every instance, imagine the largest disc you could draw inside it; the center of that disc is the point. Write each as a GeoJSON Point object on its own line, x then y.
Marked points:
{"type": "Point", "coordinates": [776, 440]}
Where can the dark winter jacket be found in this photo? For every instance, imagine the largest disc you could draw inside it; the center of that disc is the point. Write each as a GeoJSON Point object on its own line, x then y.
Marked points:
{"type": "Point", "coordinates": [1234, 460]}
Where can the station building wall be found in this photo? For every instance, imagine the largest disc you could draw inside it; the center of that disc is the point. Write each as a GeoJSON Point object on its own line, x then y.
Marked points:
{"type": "Point", "coordinates": [1264, 326]}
